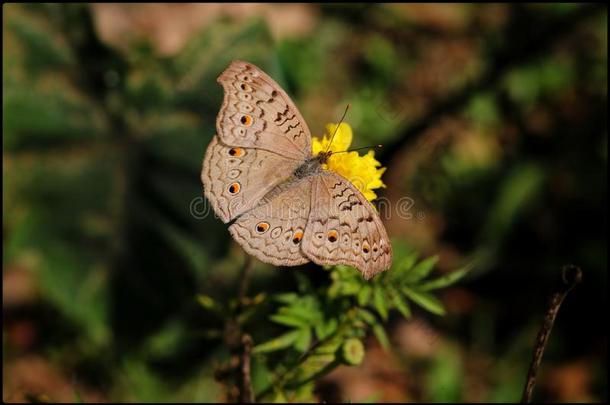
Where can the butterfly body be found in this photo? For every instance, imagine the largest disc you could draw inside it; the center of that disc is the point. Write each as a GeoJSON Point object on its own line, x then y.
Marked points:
{"type": "Point", "coordinates": [311, 166]}
{"type": "Point", "coordinates": [282, 206]}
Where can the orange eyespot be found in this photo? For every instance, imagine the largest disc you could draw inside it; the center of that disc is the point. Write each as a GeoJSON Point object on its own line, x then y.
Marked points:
{"type": "Point", "coordinates": [297, 237]}
{"type": "Point", "coordinates": [246, 120]}
{"type": "Point", "coordinates": [365, 248]}
{"type": "Point", "coordinates": [332, 236]}
{"type": "Point", "coordinates": [236, 152]}
{"type": "Point", "coordinates": [245, 87]}
{"type": "Point", "coordinates": [234, 188]}
{"type": "Point", "coordinates": [262, 227]}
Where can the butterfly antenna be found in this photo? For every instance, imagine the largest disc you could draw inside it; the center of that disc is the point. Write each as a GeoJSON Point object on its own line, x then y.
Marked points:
{"type": "Point", "coordinates": [337, 128]}
{"type": "Point", "coordinates": [364, 147]}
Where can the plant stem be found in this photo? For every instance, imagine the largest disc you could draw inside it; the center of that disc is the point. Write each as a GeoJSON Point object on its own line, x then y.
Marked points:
{"type": "Point", "coordinates": [247, 395]}
{"type": "Point", "coordinates": [570, 276]}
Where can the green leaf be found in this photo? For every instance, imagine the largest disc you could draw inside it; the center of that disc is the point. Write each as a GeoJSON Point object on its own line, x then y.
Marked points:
{"type": "Point", "coordinates": [303, 340]}
{"type": "Point", "coordinates": [364, 295]}
{"type": "Point", "coordinates": [444, 281]}
{"type": "Point", "coordinates": [425, 300]}
{"type": "Point", "coordinates": [325, 329]}
{"type": "Point", "coordinates": [379, 301]}
{"type": "Point", "coordinates": [421, 270]}
{"type": "Point", "coordinates": [306, 312]}
{"type": "Point", "coordinates": [289, 320]}
{"type": "Point", "coordinates": [399, 303]}
{"type": "Point", "coordinates": [381, 336]}
{"type": "Point", "coordinates": [286, 298]}
{"type": "Point", "coordinates": [319, 362]}
{"type": "Point", "coordinates": [367, 316]}
{"type": "Point", "coordinates": [210, 304]}
{"type": "Point", "coordinates": [280, 342]}
{"type": "Point", "coordinates": [405, 264]}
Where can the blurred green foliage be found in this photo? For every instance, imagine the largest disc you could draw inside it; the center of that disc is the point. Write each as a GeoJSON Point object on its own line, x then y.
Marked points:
{"type": "Point", "coordinates": [102, 151]}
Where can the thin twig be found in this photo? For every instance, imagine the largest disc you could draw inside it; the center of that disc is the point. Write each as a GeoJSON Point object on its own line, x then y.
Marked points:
{"type": "Point", "coordinates": [247, 394]}
{"type": "Point", "coordinates": [570, 276]}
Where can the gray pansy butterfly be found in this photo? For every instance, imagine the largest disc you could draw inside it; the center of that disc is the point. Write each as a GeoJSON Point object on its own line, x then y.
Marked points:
{"type": "Point", "coordinates": [283, 207]}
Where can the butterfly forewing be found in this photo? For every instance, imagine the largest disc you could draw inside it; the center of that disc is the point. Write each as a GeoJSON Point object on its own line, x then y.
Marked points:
{"type": "Point", "coordinates": [257, 113]}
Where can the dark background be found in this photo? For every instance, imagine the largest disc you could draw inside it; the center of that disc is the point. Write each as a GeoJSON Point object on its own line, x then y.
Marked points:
{"type": "Point", "coordinates": [493, 120]}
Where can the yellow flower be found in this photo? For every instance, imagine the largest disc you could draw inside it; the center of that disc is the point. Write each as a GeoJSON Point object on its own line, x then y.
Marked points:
{"type": "Point", "coordinates": [364, 172]}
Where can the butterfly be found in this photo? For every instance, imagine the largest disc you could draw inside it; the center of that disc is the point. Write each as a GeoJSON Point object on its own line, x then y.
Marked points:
{"type": "Point", "coordinates": [261, 178]}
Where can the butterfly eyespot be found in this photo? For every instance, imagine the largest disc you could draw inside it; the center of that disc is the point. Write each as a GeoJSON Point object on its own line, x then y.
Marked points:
{"type": "Point", "coordinates": [275, 232]}
{"type": "Point", "coordinates": [297, 237]}
{"type": "Point", "coordinates": [236, 152]}
{"type": "Point", "coordinates": [366, 248]}
{"type": "Point", "coordinates": [369, 219]}
{"type": "Point", "coordinates": [273, 93]}
{"type": "Point", "coordinates": [245, 78]}
{"type": "Point", "coordinates": [332, 236]}
{"type": "Point", "coordinates": [245, 87]}
{"type": "Point", "coordinates": [262, 227]}
{"type": "Point", "coordinates": [246, 120]}
{"type": "Point", "coordinates": [234, 188]}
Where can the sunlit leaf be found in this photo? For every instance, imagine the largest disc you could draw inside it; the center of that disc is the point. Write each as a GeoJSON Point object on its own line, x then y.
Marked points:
{"type": "Point", "coordinates": [425, 300]}
{"type": "Point", "coordinates": [443, 281]}
{"type": "Point", "coordinates": [280, 342]}
{"type": "Point", "coordinates": [400, 303]}
{"type": "Point", "coordinates": [421, 270]}
{"type": "Point", "coordinates": [289, 320]}
{"type": "Point", "coordinates": [303, 340]}
{"type": "Point", "coordinates": [381, 336]}
{"type": "Point", "coordinates": [379, 302]}
{"type": "Point", "coordinates": [364, 295]}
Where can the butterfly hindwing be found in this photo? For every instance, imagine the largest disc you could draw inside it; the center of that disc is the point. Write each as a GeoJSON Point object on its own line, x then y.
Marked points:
{"type": "Point", "coordinates": [344, 228]}
{"type": "Point", "coordinates": [273, 231]}
{"type": "Point", "coordinates": [257, 113]}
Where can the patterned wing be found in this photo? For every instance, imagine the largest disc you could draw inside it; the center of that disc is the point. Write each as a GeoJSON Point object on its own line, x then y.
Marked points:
{"type": "Point", "coordinates": [236, 179]}
{"type": "Point", "coordinates": [257, 113]}
{"type": "Point", "coordinates": [344, 228]}
{"type": "Point", "coordinates": [272, 232]}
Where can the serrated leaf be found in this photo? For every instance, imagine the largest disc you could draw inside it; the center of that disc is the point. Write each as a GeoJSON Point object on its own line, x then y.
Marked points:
{"type": "Point", "coordinates": [443, 281]}
{"type": "Point", "coordinates": [400, 303]}
{"type": "Point", "coordinates": [280, 342]}
{"type": "Point", "coordinates": [421, 270]}
{"type": "Point", "coordinates": [289, 320]}
{"type": "Point", "coordinates": [364, 295]}
{"type": "Point", "coordinates": [380, 304]}
{"type": "Point", "coordinates": [302, 342]}
{"type": "Point", "coordinates": [425, 300]}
